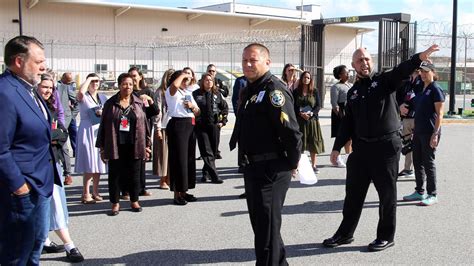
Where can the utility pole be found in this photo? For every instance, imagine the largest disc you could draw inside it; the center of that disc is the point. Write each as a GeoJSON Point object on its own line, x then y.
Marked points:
{"type": "Point", "coordinates": [452, 81]}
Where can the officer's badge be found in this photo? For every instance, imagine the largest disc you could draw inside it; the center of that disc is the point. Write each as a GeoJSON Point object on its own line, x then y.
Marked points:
{"type": "Point", "coordinates": [374, 84]}
{"type": "Point", "coordinates": [253, 98]}
{"type": "Point", "coordinates": [277, 98]}
{"type": "Point", "coordinates": [354, 95]}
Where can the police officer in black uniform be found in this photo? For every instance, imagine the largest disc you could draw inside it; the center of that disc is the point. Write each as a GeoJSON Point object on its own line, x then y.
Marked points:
{"type": "Point", "coordinates": [269, 136]}
{"type": "Point", "coordinates": [372, 122]}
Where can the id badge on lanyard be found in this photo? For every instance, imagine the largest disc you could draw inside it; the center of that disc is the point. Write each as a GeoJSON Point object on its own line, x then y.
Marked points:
{"type": "Point", "coordinates": [124, 124]}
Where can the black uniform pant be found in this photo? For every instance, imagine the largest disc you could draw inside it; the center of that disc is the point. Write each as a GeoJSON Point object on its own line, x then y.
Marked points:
{"type": "Point", "coordinates": [181, 154]}
{"type": "Point", "coordinates": [124, 173]}
{"type": "Point", "coordinates": [376, 162]}
{"type": "Point", "coordinates": [207, 142]}
{"type": "Point", "coordinates": [266, 184]}
{"type": "Point", "coordinates": [423, 162]}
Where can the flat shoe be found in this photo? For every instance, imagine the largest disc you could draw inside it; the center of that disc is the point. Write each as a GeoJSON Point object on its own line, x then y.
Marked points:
{"type": "Point", "coordinates": [139, 209]}
{"type": "Point", "coordinates": [113, 213]}
{"type": "Point", "coordinates": [190, 197]}
{"type": "Point", "coordinates": [337, 241]}
{"type": "Point", "coordinates": [180, 201]}
{"type": "Point", "coordinates": [98, 198]}
{"type": "Point", "coordinates": [379, 245]}
{"type": "Point", "coordinates": [85, 201]}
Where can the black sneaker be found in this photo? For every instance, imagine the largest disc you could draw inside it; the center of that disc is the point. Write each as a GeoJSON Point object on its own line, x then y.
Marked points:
{"type": "Point", "coordinates": [52, 248]}
{"type": "Point", "coordinates": [406, 173]}
{"type": "Point", "coordinates": [74, 255]}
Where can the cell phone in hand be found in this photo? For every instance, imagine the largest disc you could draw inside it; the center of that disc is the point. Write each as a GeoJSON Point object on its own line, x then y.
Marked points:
{"type": "Point", "coordinates": [187, 98]}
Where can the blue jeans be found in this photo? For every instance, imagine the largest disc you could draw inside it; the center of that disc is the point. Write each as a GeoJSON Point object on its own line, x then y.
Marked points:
{"type": "Point", "coordinates": [72, 129]}
{"type": "Point", "coordinates": [24, 225]}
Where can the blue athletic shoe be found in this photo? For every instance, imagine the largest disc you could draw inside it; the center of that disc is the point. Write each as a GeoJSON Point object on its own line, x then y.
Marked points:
{"type": "Point", "coordinates": [415, 196]}
{"type": "Point", "coordinates": [430, 200]}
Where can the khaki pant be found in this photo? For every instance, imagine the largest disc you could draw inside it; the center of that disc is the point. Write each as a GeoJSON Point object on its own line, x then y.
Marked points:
{"type": "Point", "coordinates": [408, 125]}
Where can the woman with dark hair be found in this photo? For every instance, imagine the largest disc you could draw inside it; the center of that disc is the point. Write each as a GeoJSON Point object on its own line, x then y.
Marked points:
{"type": "Point", "coordinates": [181, 140]}
{"type": "Point", "coordinates": [141, 90]}
{"type": "Point", "coordinates": [160, 145]}
{"type": "Point", "coordinates": [88, 159]}
{"type": "Point", "coordinates": [214, 111]}
{"type": "Point", "coordinates": [307, 106]}
{"type": "Point", "coordinates": [124, 142]}
{"type": "Point", "coordinates": [191, 84]}
{"type": "Point", "coordinates": [289, 76]}
{"type": "Point", "coordinates": [429, 106]}
{"type": "Point", "coordinates": [338, 103]}
{"type": "Point", "coordinates": [59, 214]}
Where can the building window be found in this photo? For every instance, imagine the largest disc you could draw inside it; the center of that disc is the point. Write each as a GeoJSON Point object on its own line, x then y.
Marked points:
{"type": "Point", "coordinates": [142, 68]}
{"type": "Point", "coordinates": [100, 68]}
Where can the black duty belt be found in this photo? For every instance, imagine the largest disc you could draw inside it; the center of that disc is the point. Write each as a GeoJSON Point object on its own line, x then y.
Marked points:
{"type": "Point", "coordinates": [381, 138]}
{"type": "Point", "coordinates": [263, 157]}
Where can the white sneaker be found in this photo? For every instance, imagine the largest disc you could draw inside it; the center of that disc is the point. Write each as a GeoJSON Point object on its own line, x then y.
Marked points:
{"type": "Point", "coordinates": [340, 162]}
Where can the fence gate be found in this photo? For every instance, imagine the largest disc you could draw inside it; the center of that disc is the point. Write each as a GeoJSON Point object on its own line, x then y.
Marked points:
{"type": "Point", "coordinates": [397, 41]}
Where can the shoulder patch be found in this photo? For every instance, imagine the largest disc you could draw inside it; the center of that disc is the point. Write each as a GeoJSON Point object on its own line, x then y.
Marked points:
{"type": "Point", "coordinates": [277, 98]}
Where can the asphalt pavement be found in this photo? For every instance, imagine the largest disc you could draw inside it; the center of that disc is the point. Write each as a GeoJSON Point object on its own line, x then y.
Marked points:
{"type": "Point", "coordinates": [216, 229]}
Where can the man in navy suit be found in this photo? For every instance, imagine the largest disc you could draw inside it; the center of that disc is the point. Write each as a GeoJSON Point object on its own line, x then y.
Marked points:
{"type": "Point", "coordinates": [27, 167]}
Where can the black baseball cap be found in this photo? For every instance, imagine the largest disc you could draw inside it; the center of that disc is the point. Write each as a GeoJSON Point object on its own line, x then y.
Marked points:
{"type": "Point", "coordinates": [427, 66]}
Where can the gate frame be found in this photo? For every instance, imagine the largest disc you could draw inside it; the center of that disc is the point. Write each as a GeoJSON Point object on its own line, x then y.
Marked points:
{"type": "Point", "coordinates": [312, 38]}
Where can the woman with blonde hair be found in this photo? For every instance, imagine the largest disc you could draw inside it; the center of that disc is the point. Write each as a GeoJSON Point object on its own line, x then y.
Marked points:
{"type": "Point", "coordinates": [160, 146]}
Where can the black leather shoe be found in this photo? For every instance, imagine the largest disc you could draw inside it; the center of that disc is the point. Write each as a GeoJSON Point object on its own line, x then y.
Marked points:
{"type": "Point", "coordinates": [337, 240]}
{"type": "Point", "coordinates": [379, 245]}
{"type": "Point", "coordinates": [217, 181]}
{"type": "Point", "coordinates": [53, 248]}
{"type": "Point", "coordinates": [113, 213]}
{"type": "Point", "coordinates": [139, 209]}
{"type": "Point", "coordinates": [190, 198]}
{"type": "Point", "coordinates": [74, 255]}
{"type": "Point", "coordinates": [180, 201]}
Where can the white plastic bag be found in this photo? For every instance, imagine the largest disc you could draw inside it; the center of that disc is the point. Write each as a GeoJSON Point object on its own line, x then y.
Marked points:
{"type": "Point", "coordinates": [305, 171]}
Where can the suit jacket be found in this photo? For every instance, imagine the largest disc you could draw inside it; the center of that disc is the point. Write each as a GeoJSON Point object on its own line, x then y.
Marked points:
{"type": "Point", "coordinates": [67, 98]}
{"type": "Point", "coordinates": [25, 140]}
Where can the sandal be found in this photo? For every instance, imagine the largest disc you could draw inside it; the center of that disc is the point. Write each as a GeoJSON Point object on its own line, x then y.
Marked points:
{"type": "Point", "coordinates": [87, 200]}
{"type": "Point", "coordinates": [97, 198]}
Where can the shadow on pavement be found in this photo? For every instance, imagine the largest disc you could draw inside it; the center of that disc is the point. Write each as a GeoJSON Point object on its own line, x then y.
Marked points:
{"type": "Point", "coordinates": [186, 257]}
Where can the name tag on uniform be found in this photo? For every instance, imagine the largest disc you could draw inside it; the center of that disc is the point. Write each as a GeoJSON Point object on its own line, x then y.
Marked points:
{"type": "Point", "coordinates": [124, 124]}
{"type": "Point", "coordinates": [260, 96]}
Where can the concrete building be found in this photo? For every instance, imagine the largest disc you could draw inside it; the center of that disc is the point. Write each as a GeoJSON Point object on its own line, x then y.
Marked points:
{"type": "Point", "coordinates": [86, 36]}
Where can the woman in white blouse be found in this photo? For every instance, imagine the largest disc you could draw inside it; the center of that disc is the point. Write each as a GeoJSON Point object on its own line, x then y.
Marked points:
{"type": "Point", "coordinates": [182, 109]}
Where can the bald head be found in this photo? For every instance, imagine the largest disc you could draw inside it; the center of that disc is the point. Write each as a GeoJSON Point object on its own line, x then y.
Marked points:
{"type": "Point", "coordinates": [66, 78]}
{"type": "Point", "coordinates": [362, 62]}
